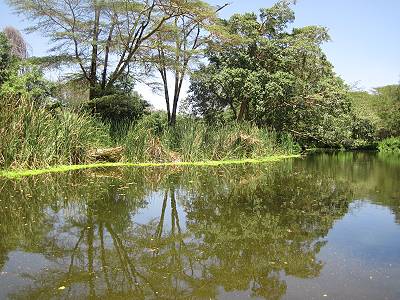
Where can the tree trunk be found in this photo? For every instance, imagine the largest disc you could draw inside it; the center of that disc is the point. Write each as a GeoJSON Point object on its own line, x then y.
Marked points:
{"type": "Point", "coordinates": [106, 58]}
{"type": "Point", "coordinates": [93, 63]}
{"type": "Point", "coordinates": [178, 88]}
{"type": "Point", "coordinates": [243, 110]}
{"type": "Point", "coordinates": [174, 110]}
{"type": "Point", "coordinates": [166, 93]}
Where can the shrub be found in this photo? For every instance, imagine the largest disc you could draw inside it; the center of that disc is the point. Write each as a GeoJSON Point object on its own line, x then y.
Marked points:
{"type": "Point", "coordinates": [118, 107]}
{"type": "Point", "coordinates": [119, 110]}
{"type": "Point", "coordinates": [390, 145]}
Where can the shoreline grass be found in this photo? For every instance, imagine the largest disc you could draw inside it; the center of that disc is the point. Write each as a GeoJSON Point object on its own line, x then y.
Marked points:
{"type": "Point", "coordinates": [19, 173]}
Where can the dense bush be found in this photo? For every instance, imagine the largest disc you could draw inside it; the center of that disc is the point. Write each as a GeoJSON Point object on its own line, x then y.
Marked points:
{"type": "Point", "coordinates": [116, 108]}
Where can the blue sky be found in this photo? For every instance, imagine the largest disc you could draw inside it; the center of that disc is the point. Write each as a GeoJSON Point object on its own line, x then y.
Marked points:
{"type": "Point", "coordinates": [365, 46]}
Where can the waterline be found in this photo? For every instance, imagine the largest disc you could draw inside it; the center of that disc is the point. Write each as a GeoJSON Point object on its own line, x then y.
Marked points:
{"type": "Point", "coordinates": [15, 174]}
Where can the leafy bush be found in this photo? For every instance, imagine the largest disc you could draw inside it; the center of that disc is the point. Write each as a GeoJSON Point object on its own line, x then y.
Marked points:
{"type": "Point", "coordinates": [390, 145]}
{"type": "Point", "coordinates": [27, 81]}
{"type": "Point", "coordinates": [119, 110]}
{"type": "Point", "coordinates": [118, 107]}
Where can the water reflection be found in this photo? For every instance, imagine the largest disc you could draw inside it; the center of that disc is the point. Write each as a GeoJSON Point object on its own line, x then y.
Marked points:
{"type": "Point", "coordinates": [208, 232]}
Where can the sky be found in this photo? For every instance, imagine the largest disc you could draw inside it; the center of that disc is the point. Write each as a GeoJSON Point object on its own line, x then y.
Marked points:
{"type": "Point", "coordinates": [365, 46]}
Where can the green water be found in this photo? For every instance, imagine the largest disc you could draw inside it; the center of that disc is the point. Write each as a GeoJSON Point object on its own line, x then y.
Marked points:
{"type": "Point", "coordinates": [323, 227]}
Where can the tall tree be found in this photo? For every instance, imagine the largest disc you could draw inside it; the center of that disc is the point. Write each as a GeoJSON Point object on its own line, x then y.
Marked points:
{"type": "Point", "coordinates": [101, 37]}
{"type": "Point", "coordinates": [273, 76]}
{"type": "Point", "coordinates": [180, 41]}
{"type": "Point", "coordinates": [253, 52]}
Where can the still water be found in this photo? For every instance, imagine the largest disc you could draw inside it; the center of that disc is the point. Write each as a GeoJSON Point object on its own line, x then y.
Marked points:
{"type": "Point", "coordinates": [322, 227]}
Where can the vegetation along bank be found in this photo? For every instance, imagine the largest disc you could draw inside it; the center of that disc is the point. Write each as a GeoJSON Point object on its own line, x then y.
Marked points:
{"type": "Point", "coordinates": [257, 87]}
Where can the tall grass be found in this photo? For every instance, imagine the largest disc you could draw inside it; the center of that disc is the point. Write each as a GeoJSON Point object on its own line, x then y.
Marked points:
{"type": "Point", "coordinates": [32, 136]}
{"type": "Point", "coordinates": [193, 140]}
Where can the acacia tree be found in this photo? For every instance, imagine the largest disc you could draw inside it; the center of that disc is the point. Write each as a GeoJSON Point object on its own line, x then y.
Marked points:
{"type": "Point", "coordinates": [101, 37]}
{"type": "Point", "coordinates": [177, 44]}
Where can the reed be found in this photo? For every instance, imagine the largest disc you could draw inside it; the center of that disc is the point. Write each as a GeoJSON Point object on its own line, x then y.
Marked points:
{"type": "Point", "coordinates": [32, 136]}
{"type": "Point", "coordinates": [194, 140]}
{"type": "Point", "coordinates": [35, 137]}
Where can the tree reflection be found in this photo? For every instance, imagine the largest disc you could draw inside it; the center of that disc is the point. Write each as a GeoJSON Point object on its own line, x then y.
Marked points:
{"type": "Point", "coordinates": [243, 229]}
{"type": "Point", "coordinates": [372, 176]}
{"type": "Point", "coordinates": [256, 230]}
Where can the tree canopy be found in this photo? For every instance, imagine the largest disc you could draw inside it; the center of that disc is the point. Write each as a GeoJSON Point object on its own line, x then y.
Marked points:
{"type": "Point", "coordinates": [102, 38]}
{"type": "Point", "coordinates": [273, 76]}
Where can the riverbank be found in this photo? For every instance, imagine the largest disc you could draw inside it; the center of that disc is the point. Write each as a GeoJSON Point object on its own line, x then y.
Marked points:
{"type": "Point", "coordinates": [35, 138]}
{"type": "Point", "coordinates": [16, 174]}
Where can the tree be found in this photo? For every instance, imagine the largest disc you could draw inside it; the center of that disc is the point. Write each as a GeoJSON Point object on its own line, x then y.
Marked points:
{"type": "Point", "coordinates": [101, 37]}
{"type": "Point", "coordinates": [177, 44]}
{"type": "Point", "coordinates": [18, 44]}
{"type": "Point", "coordinates": [389, 99]}
{"type": "Point", "coordinates": [273, 77]}
{"type": "Point", "coordinates": [12, 48]}
{"type": "Point", "coordinates": [253, 51]}
{"type": "Point", "coordinates": [381, 109]}
{"type": "Point", "coordinates": [19, 77]}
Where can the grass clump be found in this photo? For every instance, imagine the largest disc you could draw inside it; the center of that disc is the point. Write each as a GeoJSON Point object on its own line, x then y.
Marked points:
{"type": "Point", "coordinates": [194, 140]}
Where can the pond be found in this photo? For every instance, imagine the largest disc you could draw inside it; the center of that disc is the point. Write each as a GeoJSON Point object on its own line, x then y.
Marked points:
{"type": "Point", "coordinates": [322, 227]}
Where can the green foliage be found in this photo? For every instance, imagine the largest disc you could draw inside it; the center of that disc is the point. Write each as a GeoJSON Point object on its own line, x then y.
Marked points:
{"type": "Point", "coordinates": [118, 108]}
{"type": "Point", "coordinates": [388, 99]}
{"type": "Point", "coordinates": [365, 106]}
{"type": "Point", "coordinates": [178, 44]}
{"type": "Point", "coordinates": [390, 145]}
{"type": "Point", "coordinates": [266, 89]}
{"type": "Point", "coordinates": [5, 57]}
{"type": "Point", "coordinates": [381, 109]}
{"type": "Point", "coordinates": [274, 78]}
{"type": "Point", "coordinates": [27, 81]}
{"type": "Point", "coordinates": [20, 78]}
{"type": "Point", "coordinates": [88, 36]}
